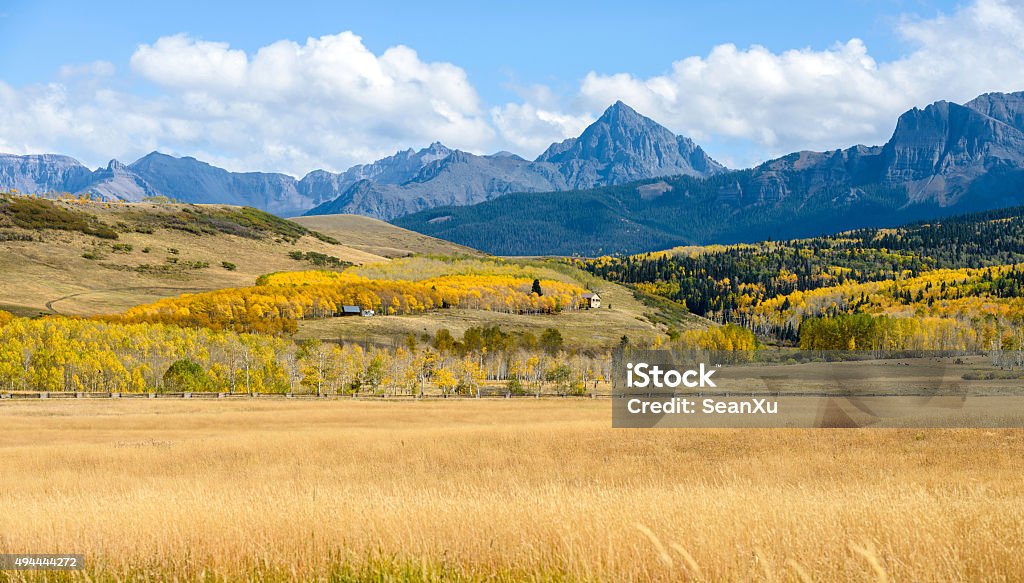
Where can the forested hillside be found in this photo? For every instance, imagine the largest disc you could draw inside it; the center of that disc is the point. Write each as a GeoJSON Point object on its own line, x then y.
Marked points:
{"type": "Point", "coordinates": [954, 283]}
{"type": "Point", "coordinates": [657, 214]}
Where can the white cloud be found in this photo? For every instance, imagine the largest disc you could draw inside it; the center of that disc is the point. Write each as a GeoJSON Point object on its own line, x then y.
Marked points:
{"type": "Point", "coordinates": [529, 130]}
{"type": "Point", "coordinates": [328, 103]}
{"type": "Point", "coordinates": [179, 62]}
{"type": "Point", "coordinates": [752, 103]}
{"type": "Point", "coordinates": [93, 69]}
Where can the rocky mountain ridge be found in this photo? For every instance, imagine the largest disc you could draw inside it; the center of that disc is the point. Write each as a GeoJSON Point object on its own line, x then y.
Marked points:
{"type": "Point", "coordinates": [620, 146]}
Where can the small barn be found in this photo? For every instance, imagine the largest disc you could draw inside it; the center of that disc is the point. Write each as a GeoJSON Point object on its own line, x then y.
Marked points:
{"type": "Point", "coordinates": [591, 300]}
{"type": "Point", "coordinates": [351, 310]}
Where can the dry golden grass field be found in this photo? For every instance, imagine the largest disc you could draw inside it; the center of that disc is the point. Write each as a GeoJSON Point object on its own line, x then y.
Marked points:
{"type": "Point", "coordinates": [496, 490]}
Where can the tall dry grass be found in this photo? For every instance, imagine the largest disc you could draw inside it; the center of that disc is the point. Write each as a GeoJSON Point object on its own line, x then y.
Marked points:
{"type": "Point", "coordinates": [495, 491]}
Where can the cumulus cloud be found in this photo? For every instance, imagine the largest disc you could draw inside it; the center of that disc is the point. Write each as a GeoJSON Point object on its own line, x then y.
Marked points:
{"type": "Point", "coordinates": [529, 129]}
{"type": "Point", "coordinates": [184, 63]}
{"type": "Point", "coordinates": [808, 99]}
{"type": "Point", "coordinates": [327, 103]}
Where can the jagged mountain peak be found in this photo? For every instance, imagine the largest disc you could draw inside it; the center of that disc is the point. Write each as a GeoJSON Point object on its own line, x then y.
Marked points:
{"type": "Point", "coordinates": [1005, 107]}
{"type": "Point", "coordinates": [38, 173]}
{"type": "Point", "coordinates": [435, 151]}
{"type": "Point", "coordinates": [939, 151]}
{"type": "Point", "coordinates": [620, 120]}
{"type": "Point", "coordinates": [620, 112]}
{"type": "Point", "coordinates": [154, 155]}
{"type": "Point", "coordinates": [620, 146]}
{"type": "Point", "coordinates": [623, 145]}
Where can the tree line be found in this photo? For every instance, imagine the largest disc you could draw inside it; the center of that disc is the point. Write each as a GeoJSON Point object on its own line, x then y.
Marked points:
{"type": "Point", "coordinates": [70, 354]}
{"type": "Point", "coordinates": [957, 271]}
{"type": "Point", "coordinates": [59, 353]}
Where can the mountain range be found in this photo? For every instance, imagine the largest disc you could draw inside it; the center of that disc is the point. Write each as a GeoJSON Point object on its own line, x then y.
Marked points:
{"type": "Point", "coordinates": [619, 147]}
{"type": "Point", "coordinates": [190, 180]}
{"type": "Point", "coordinates": [944, 159]}
{"type": "Point", "coordinates": [626, 184]}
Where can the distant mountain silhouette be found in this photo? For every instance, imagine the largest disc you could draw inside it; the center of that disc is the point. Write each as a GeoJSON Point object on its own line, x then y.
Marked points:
{"type": "Point", "coordinates": [942, 159]}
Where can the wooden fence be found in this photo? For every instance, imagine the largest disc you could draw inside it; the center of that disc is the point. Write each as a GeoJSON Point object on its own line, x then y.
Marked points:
{"type": "Point", "coordinates": [484, 394]}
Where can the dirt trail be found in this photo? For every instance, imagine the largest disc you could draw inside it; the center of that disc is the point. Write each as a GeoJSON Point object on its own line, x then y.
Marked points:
{"type": "Point", "coordinates": [50, 308]}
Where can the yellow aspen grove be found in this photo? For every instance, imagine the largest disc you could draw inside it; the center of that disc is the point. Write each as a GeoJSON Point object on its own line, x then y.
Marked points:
{"type": "Point", "coordinates": [279, 300]}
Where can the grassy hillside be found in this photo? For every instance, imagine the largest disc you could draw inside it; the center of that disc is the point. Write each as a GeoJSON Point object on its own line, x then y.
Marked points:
{"type": "Point", "coordinates": [380, 238]}
{"type": "Point", "coordinates": [421, 296]}
{"type": "Point", "coordinates": [83, 258]}
{"type": "Point", "coordinates": [92, 258]}
{"type": "Point", "coordinates": [623, 312]}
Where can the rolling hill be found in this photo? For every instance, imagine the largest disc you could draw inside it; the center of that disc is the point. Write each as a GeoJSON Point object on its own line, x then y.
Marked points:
{"type": "Point", "coordinates": [83, 258]}
{"type": "Point", "coordinates": [86, 258]}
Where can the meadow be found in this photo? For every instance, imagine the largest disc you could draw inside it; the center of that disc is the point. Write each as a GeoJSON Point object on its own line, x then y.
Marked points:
{"type": "Point", "coordinates": [495, 490]}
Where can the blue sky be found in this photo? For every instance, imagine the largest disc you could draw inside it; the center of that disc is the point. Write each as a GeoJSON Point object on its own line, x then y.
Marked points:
{"type": "Point", "coordinates": [500, 44]}
{"type": "Point", "coordinates": [493, 75]}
